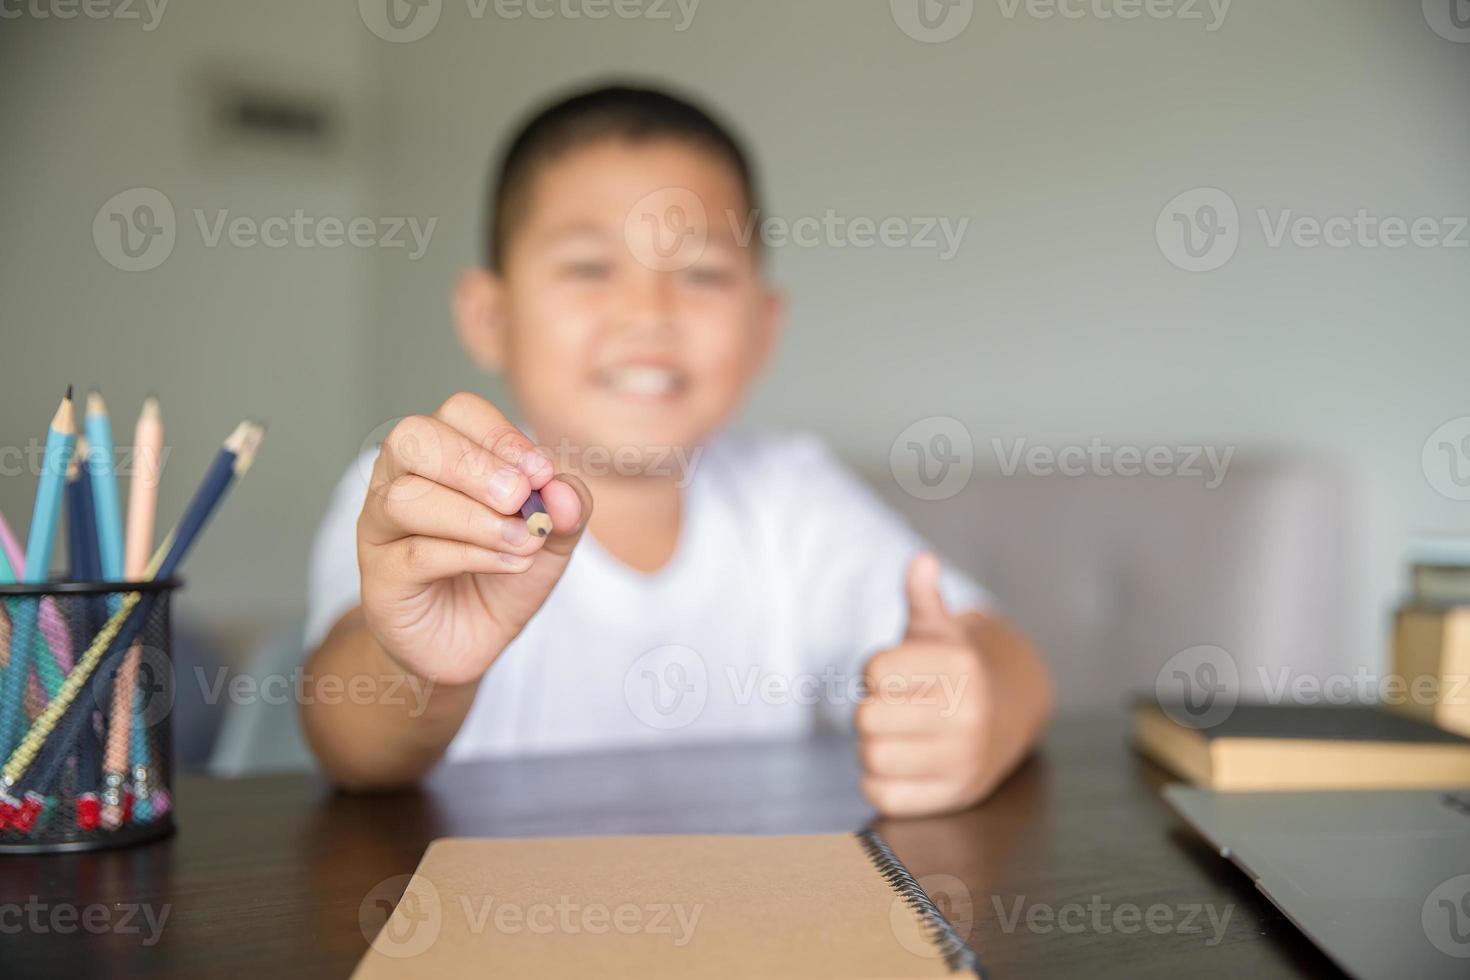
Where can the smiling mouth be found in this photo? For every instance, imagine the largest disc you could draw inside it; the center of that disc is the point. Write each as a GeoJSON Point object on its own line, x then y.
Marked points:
{"type": "Point", "coordinates": [643, 381]}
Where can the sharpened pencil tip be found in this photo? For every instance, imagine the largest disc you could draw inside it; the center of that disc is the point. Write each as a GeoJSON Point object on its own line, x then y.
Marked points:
{"type": "Point", "coordinates": [65, 419]}
{"type": "Point", "coordinates": [150, 407]}
{"type": "Point", "coordinates": [95, 404]}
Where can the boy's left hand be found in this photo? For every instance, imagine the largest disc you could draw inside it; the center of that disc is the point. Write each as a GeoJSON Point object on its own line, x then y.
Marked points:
{"type": "Point", "coordinates": [927, 730]}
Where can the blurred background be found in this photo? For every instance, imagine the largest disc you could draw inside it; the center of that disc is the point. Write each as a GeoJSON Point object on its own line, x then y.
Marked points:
{"type": "Point", "coordinates": [1100, 244]}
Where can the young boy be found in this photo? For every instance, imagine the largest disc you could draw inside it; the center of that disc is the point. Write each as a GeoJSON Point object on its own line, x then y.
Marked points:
{"type": "Point", "coordinates": [722, 587]}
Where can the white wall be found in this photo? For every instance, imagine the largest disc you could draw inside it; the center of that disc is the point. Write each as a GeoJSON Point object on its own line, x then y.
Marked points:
{"type": "Point", "coordinates": [1059, 319]}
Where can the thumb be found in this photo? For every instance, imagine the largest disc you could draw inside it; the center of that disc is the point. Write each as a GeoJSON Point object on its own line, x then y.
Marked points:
{"type": "Point", "coordinates": [569, 503]}
{"type": "Point", "coordinates": [928, 619]}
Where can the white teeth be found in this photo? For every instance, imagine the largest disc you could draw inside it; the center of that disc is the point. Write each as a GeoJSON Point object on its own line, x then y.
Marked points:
{"type": "Point", "coordinates": [642, 380]}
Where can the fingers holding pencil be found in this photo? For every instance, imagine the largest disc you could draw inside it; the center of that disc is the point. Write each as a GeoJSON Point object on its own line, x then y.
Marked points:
{"type": "Point", "coordinates": [469, 446]}
{"type": "Point", "coordinates": [416, 506]}
{"type": "Point", "coordinates": [465, 531]}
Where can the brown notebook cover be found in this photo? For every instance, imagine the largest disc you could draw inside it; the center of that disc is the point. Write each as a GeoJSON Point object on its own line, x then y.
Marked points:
{"type": "Point", "coordinates": [1280, 746]}
{"type": "Point", "coordinates": [828, 907]}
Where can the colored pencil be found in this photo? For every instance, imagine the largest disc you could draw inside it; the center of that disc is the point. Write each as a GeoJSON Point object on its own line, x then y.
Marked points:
{"type": "Point", "coordinates": [143, 487]}
{"type": "Point", "coordinates": [53, 625]}
{"type": "Point", "coordinates": [122, 629]}
{"type": "Point", "coordinates": [11, 557]}
{"type": "Point", "coordinates": [100, 467]}
{"type": "Point", "coordinates": [60, 440]}
{"type": "Point", "coordinates": [125, 722]}
{"type": "Point", "coordinates": [85, 560]}
{"type": "Point", "coordinates": [538, 522]}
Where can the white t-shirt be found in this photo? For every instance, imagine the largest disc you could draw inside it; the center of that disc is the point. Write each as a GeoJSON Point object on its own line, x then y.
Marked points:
{"type": "Point", "coordinates": [788, 575]}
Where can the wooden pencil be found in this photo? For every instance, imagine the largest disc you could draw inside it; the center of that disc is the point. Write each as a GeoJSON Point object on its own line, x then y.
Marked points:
{"type": "Point", "coordinates": [60, 441]}
{"type": "Point", "coordinates": [538, 522]}
{"type": "Point", "coordinates": [85, 555]}
{"type": "Point", "coordinates": [124, 724]}
{"type": "Point", "coordinates": [101, 471]}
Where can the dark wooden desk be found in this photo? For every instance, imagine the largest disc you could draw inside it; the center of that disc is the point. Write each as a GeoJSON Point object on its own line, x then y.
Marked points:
{"type": "Point", "coordinates": [267, 876]}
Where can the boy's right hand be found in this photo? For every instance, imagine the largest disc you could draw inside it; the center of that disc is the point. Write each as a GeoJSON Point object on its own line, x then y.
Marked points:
{"type": "Point", "coordinates": [450, 575]}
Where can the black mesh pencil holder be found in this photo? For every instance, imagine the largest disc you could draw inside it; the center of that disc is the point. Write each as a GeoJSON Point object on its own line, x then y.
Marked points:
{"type": "Point", "coordinates": [86, 688]}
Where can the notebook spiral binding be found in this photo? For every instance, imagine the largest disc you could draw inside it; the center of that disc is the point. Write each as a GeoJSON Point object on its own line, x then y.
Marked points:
{"type": "Point", "coordinates": [958, 956]}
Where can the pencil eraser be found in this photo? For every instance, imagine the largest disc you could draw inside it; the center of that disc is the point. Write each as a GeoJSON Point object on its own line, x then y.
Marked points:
{"type": "Point", "coordinates": [89, 811]}
{"type": "Point", "coordinates": [31, 809]}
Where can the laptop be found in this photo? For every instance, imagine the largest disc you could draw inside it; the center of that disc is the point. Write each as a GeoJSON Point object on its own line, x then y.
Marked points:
{"type": "Point", "coordinates": [1379, 880]}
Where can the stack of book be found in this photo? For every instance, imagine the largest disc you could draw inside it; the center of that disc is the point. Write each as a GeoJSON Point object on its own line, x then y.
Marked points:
{"type": "Point", "coordinates": [1416, 736]}
{"type": "Point", "coordinates": [1431, 641]}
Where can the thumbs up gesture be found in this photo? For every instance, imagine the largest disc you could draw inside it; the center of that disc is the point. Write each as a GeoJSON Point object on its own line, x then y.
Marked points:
{"type": "Point", "coordinates": [951, 709]}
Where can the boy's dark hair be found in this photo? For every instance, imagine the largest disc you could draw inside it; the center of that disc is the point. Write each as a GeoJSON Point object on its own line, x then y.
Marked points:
{"type": "Point", "coordinates": [619, 112]}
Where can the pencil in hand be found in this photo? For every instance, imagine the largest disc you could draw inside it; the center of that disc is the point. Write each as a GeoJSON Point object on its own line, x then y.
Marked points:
{"type": "Point", "coordinates": [538, 522]}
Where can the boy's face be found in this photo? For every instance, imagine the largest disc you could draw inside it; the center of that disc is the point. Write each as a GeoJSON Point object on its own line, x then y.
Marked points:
{"type": "Point", "coordinates": [628, 315]}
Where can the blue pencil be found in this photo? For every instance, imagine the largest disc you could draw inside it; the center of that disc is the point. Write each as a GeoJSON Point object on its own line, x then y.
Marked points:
{"type": "Point", "coordinates": [60, 441]}
{"type": "Point", "coordinates": [104, 487]}
{"type": "Point", "coordinates": [86, 566]}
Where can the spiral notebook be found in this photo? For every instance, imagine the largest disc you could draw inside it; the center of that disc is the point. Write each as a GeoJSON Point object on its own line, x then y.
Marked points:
{"type": "Point", "coordinates": [694, 908]}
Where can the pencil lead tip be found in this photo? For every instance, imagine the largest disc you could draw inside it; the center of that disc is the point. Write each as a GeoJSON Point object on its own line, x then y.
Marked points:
{"type": "Point", "coordinates": [67, 397]}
